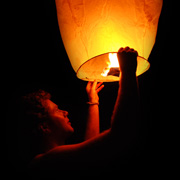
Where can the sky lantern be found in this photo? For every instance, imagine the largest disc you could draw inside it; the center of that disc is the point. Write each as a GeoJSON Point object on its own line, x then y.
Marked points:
{"type": "Point", "coordinates": [93, 31]}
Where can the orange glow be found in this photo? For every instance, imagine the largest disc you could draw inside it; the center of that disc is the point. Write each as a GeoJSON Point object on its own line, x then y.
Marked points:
{"type": "Point", "coordinates": [90, 30]}
{"type": "Point", "coordinates": [113, 60]}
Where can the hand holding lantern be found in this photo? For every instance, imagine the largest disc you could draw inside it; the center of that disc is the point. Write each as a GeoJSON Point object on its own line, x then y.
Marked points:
{"type": "Point", "coordinates": [127, 60]}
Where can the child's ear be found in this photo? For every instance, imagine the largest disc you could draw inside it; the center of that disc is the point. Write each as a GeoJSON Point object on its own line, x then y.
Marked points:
{"type": "Point", "coordinates": [44, 128]}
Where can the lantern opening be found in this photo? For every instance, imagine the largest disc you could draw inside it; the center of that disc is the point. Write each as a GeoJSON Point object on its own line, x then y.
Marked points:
{"type": "Point", "coordinates": [105, 68]}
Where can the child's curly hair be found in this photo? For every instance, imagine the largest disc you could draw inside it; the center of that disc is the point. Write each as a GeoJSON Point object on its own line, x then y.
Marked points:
{"type": "Point", "coordinates": [33, 103]}
{"type": "Point", "coordinates": [32, 115]}
{"type": "Point", "coordinates": [33, 108]}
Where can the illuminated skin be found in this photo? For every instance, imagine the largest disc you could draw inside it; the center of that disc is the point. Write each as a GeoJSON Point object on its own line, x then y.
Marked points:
{"type": "Point", "coordinates": [92, 128]}
{"type": "Point", "coordinates": [98, 147]}
{"type": "Point", "coordinates": [60, 125]}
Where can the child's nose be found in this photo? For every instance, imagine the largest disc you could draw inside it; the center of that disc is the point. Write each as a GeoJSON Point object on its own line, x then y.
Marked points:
{"type": "Point", "coordinates": [65, 113]}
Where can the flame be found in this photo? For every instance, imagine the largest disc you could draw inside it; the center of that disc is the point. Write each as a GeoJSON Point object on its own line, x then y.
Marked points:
{"type": "Point", "coordinates": [113, 62]}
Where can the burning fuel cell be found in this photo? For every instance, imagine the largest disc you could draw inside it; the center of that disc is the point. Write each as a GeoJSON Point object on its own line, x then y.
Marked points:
{"type": "Point", "coordinates": [112, 66]}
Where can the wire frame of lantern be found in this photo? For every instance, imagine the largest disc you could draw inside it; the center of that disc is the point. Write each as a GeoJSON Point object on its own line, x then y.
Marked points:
{"type": "Point", "coordinates": [93, 31]}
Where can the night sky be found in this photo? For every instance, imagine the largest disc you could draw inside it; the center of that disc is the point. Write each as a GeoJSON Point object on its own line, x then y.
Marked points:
{"type": "Point", "coordinates": [38, 60]}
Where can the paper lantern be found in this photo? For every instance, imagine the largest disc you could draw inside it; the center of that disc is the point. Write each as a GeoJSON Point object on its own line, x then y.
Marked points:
{"type": "Point", "coordinates": [93, 31]}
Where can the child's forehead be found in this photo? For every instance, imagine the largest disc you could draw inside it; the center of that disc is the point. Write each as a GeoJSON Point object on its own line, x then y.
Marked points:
{"type": "Point", "coordinates": [50, 104]}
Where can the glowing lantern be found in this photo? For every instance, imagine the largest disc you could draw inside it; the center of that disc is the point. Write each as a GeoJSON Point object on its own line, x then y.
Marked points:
{"type": "Point", "coordinates": [93, 31]}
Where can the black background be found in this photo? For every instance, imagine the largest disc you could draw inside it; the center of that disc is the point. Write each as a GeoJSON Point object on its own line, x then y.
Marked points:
{"type": "Point", "coordinates": [36, 59]}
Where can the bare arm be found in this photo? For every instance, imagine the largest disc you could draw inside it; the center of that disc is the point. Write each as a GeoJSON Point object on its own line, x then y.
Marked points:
{"type": "Point", "coordinates": [92, 127]}
{"type": "Point", "coordinates": [125, 113]}
{"type": "Point", "coordinates": [122, 133]}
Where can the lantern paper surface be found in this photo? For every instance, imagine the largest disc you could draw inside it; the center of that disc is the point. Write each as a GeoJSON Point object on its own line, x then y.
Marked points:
{"type": "Point", "coordinates": [92, 29]}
